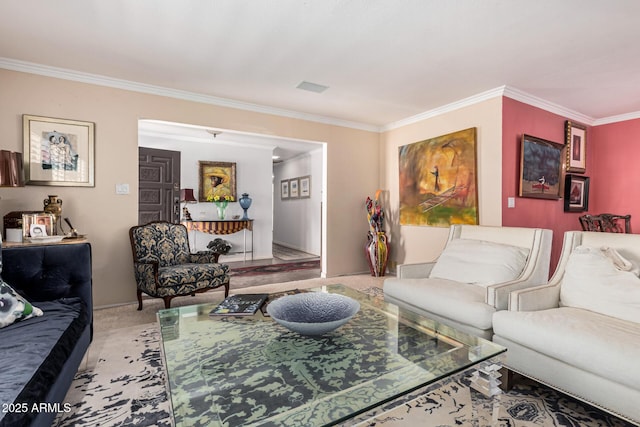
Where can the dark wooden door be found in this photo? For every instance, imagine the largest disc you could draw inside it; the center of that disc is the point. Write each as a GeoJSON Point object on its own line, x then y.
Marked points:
{"type": "Point", "coordinates": [159, 185]}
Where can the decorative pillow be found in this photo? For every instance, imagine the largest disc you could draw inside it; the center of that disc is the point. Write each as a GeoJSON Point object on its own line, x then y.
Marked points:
{"type": "Point", "coordinates": [480, 262]}
{"type": "Point", "coordinates": [602, 280]}
{"type": "Point", "coordinates": [13, 307]}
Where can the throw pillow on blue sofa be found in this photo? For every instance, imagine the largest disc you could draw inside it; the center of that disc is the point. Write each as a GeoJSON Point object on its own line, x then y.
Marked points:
{"type": "Point", "coordinates": [12, 306]}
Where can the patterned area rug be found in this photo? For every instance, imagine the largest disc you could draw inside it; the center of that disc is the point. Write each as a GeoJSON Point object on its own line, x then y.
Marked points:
{"type": "Point", "coordinates": [126, 387]}
{"type": "Point", "coordinates": [528, 404]}
{"type": "Point", "coordinates": [255, 270]}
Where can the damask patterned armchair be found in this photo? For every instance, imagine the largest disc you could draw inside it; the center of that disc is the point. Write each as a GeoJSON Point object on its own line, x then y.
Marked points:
{"type": "Point", "coordinates": [165, 268]}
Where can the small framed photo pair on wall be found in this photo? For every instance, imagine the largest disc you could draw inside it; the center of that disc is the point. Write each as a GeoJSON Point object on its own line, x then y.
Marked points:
{"type": "Point", "coordinates": [305, 187]}
{"type": "Point", "coordinates": [284, 189]}
{"type": "Point", "coordinates": [576, 193]}
{"type": "Point", "coordinates": [576, 147]}
{"type": "Point", "coordinates": [294, 188]}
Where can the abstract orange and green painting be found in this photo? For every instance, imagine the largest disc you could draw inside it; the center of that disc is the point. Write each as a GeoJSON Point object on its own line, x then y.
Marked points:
{"type": "Point", "coordinates": [438, 180]}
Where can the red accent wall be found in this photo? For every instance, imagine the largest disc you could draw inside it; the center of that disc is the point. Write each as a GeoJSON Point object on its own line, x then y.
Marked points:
{"type": "Point", "coordinates": [518, 119]}
{"type": "Point", "coordinates": [615, 175]}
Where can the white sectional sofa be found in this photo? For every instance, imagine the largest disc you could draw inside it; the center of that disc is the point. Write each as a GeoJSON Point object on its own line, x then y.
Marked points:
{"type": "Point", "coordinates": [580, 333]}
{"type": "Point", "coordinates": [473, 276]}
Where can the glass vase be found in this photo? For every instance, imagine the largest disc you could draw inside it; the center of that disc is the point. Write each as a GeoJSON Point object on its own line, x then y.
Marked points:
{"type": "Point", "coordinates": [221, 210]}
{"type": "Point", "coordinates": [245, 203]}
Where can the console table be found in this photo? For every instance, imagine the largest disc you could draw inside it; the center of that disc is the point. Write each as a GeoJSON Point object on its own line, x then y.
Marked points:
{"type": "Point", "coordinates": [224, 226]}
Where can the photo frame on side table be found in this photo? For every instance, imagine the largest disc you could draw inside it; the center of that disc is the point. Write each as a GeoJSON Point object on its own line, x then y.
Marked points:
{"type": "Point", "coordinates": [576, 146]}
{"type": "Point", "coordinates": [40, 221]}
{"type": "Point", "coordinates": [305, 187]}
{"type": "Point", "coordinates": [576, 193]}
{"type": "Point", "coordinates": [284, 189]}
{"type": "Point", "coordinates": [541, 168]}
{"type": "Point", "coordinates": [58, 151]}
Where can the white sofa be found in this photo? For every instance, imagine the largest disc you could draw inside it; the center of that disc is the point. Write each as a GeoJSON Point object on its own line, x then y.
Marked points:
{"type": "Point", "coordinates": [580, 333]}
{"type": "Point", "coordinates": [473, 276]}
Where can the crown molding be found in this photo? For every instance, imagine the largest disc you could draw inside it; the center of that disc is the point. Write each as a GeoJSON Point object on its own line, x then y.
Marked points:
{"type": "Point", "coordinates": [481, 97]}
{"type": "Point", "coordinates": [534, 101]}
{"type": "Point", "coordinates": [517, 95]}
{"type": "Point", "coordinates": [510, 92]}
{"type": "Point", "coordinates": [65, 74]}
{"type": "Point", "coordinates": [616, 119]}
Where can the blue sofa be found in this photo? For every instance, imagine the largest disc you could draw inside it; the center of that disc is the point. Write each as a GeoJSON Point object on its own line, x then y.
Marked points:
{"type": "Point", "coordinates": [41, 355]}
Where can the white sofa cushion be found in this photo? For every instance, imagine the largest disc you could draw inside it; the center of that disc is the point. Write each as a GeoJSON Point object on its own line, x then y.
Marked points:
{"type": "Point", "coordinates": [603, 345]}
{"type": "Point", "coordinates": [601, 280]}
{"type": "Point", "coordinates": [453, 300]}
{"type": "Point", "coordinates": [480, 262]}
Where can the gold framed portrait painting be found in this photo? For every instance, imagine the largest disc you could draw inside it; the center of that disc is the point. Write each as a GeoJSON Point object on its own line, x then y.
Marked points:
{"type": "Point", "coordinates": [217, 179]}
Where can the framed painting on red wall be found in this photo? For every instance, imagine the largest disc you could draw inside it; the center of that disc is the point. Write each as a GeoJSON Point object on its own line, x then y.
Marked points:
{"type": "Point", "coordinates": [541, 168]}
{"type": "Point", "coordinates": [576, 147]}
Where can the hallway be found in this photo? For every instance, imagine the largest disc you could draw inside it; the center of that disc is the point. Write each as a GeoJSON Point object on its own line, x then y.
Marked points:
{"type": "Point", "coordinates": [288, 265]}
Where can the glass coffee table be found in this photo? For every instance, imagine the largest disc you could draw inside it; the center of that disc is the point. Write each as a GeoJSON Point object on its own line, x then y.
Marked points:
{"type": "Point", "coordinates": [248, 370]}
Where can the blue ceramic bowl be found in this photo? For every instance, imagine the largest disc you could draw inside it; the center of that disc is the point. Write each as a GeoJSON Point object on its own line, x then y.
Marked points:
{"type": "Point", "coordinates": [313, 313]}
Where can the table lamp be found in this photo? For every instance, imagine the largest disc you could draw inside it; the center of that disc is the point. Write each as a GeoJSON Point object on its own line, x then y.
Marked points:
{"type": "Point", "coordinates": [186, 197]}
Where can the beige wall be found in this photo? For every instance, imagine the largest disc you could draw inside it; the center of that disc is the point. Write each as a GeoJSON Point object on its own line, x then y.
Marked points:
{"type": "Point", "coordinates": [106, 217]}
{"type": "Point", "coordinates": [412, 244]}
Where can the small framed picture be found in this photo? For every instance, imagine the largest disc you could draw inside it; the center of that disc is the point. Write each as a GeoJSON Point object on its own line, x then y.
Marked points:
{"type": "Point", "coordinates": [37, 230]}
{"type": "Point", "coordinates": [294, 188]}
{"type": "Point", "coordinates": [41, 224]}
{"type": "Point", "coordinates": [576, 193]}
{"type": "Point", "coordinates": [576, 147]}
{"type": "Point", "coordinates": [284, 189]}
{"type": "Point", "coordinates": [305, 187]}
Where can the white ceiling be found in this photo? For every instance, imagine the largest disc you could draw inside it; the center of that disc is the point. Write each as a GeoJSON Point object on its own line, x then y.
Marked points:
{"type": "Point", "coordinates": [383, 60]}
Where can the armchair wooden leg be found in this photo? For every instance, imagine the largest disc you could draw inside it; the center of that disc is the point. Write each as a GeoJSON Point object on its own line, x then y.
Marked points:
{"type": "Point", "coordinates": [139, 300]}
{"type": "Point", "coordinates": [226, 290]}
{"type": "Point", "coordinates": [508, 379]}
{"type": "Point", "coordinates": [167, 302]}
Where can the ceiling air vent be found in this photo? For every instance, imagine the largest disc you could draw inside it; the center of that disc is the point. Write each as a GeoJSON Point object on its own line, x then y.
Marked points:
{"type": "Point", "coordinates": [312, 87]}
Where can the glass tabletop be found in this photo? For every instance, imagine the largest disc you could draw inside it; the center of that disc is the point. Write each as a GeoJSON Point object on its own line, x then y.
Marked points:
{"type": "Point", "coordinates": [248, 370]}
